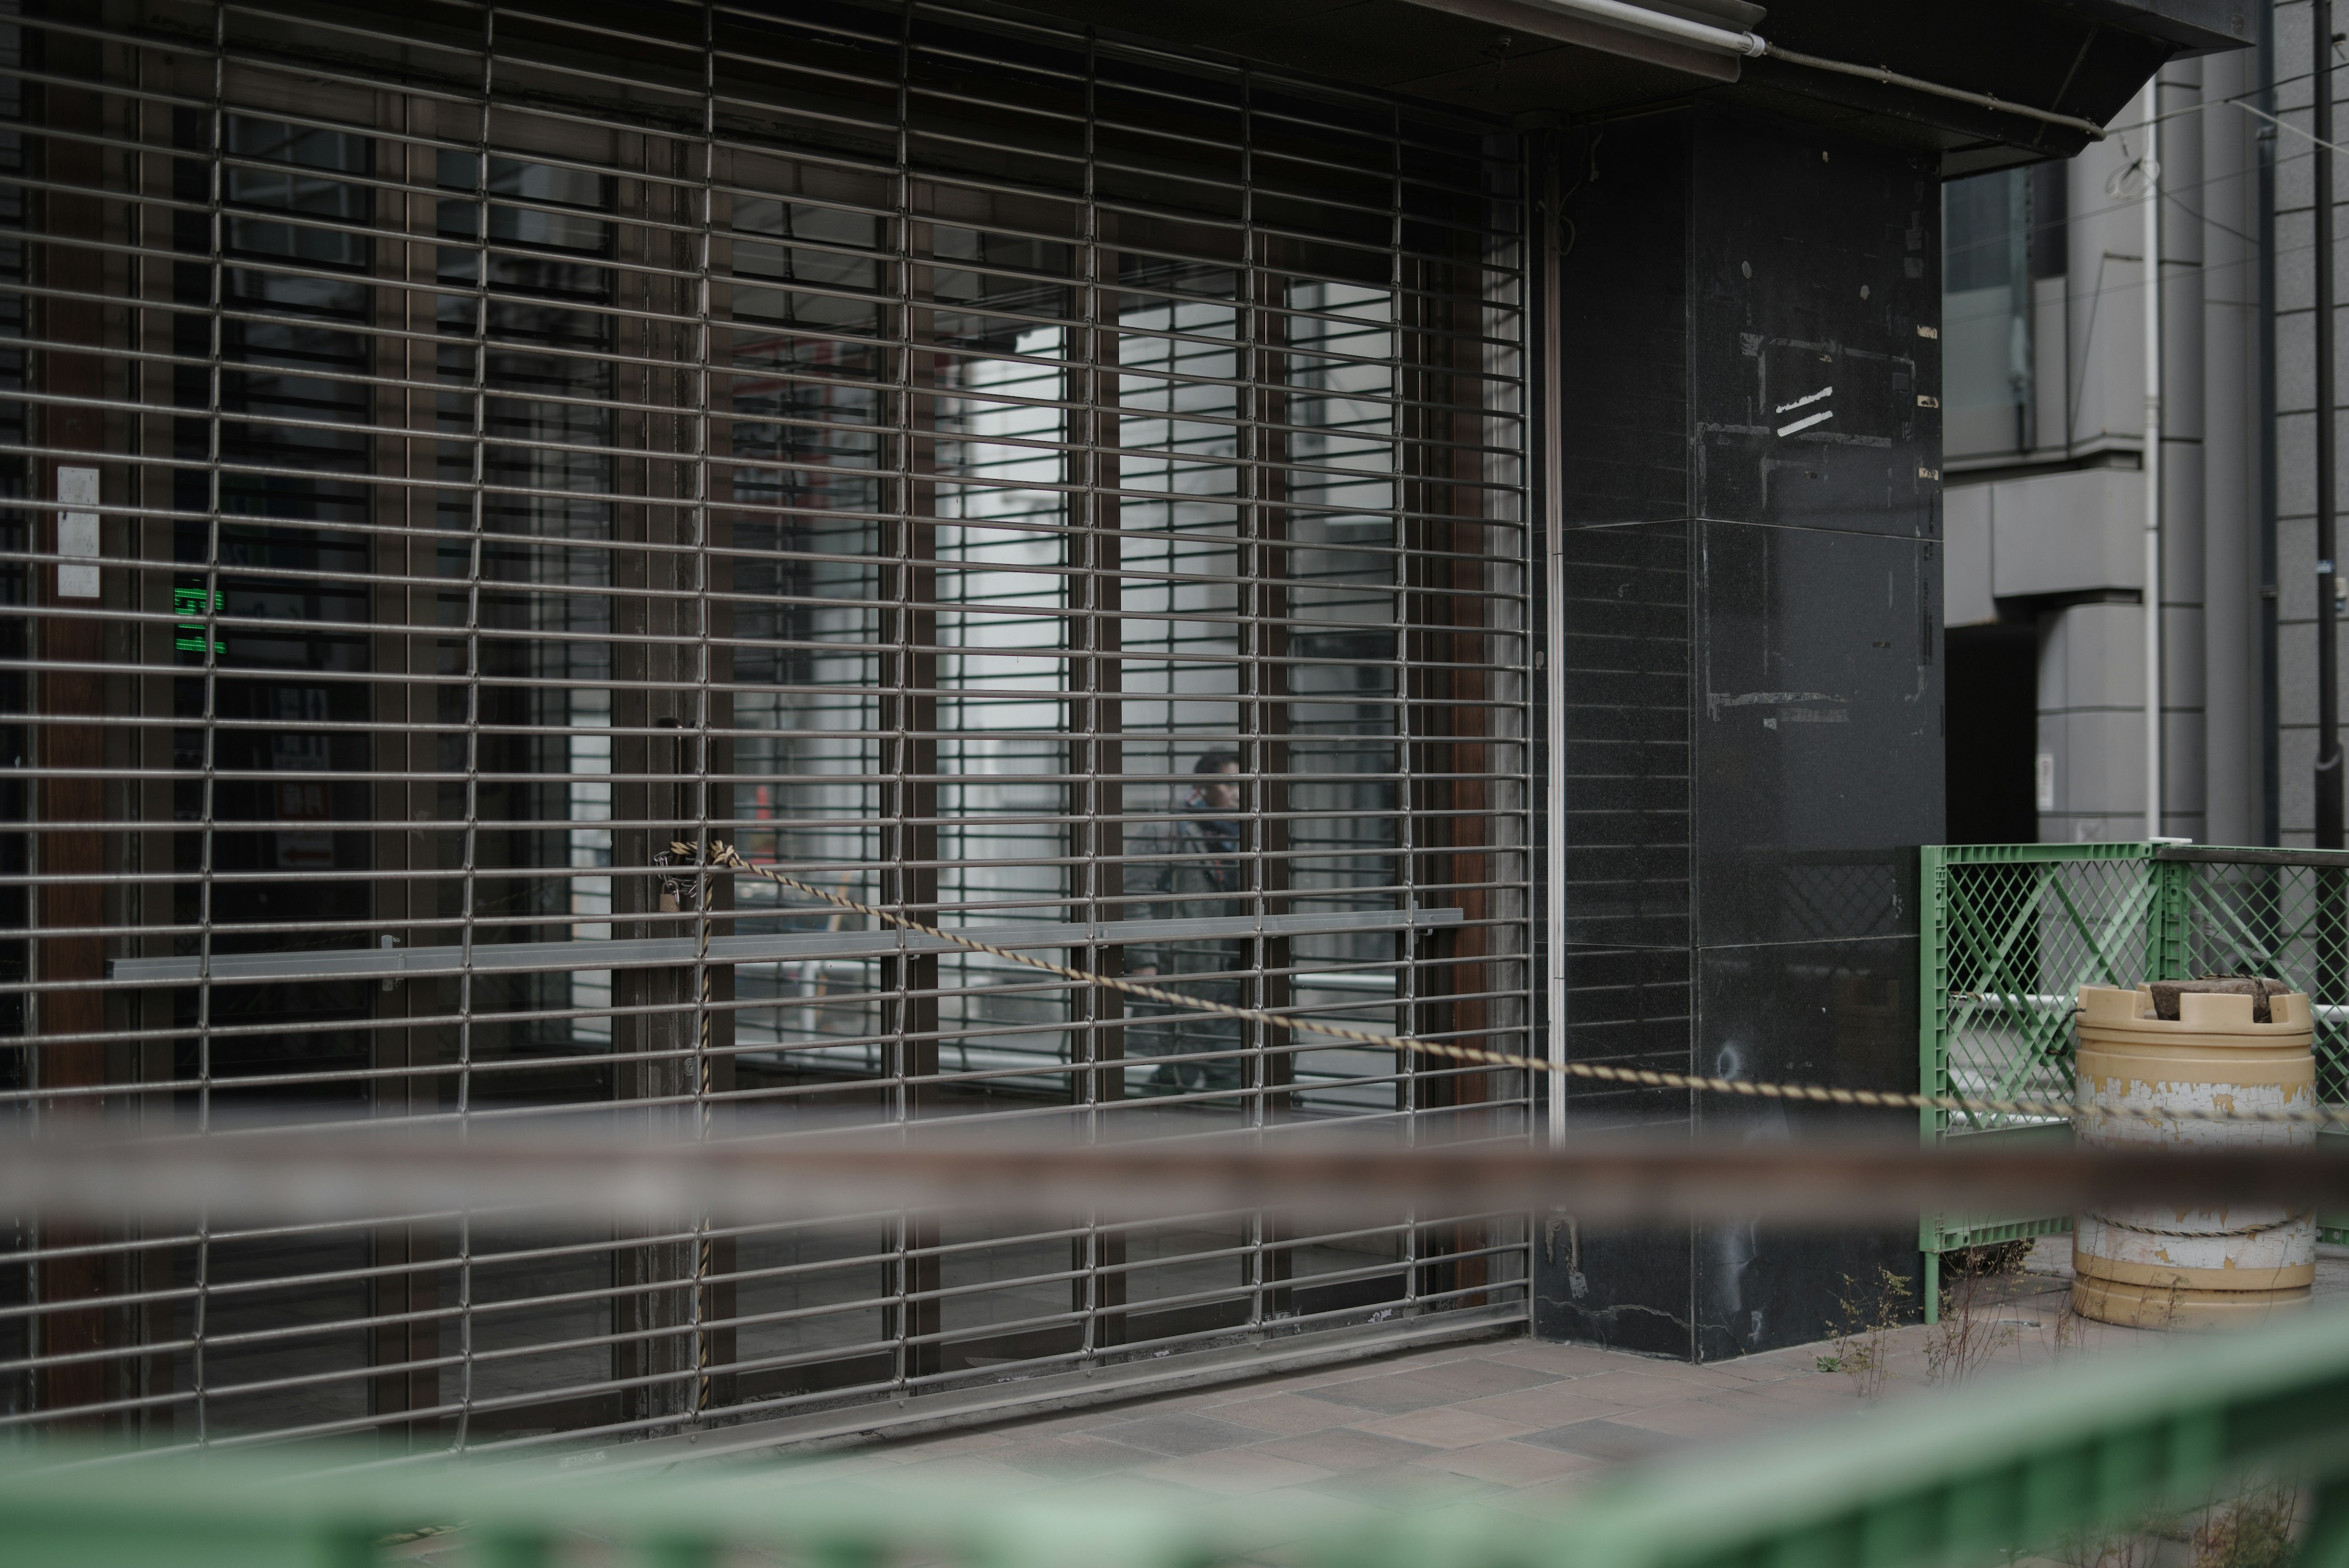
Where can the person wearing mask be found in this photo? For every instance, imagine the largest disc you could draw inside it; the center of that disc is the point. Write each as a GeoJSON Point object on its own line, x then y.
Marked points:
{"type": "Point", "coordinates": [1192, 870]}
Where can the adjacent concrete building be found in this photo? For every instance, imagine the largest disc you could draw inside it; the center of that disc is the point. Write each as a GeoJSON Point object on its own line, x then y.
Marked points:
{"type": "Point", "coordinates": [2045, 443]}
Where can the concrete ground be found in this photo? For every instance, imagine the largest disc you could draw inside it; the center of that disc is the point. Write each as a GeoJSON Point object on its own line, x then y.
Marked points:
{"type": "Point", "coordinates": [1517, 1425]}
{"type": "Point", "coordinates": [1520, 1425]}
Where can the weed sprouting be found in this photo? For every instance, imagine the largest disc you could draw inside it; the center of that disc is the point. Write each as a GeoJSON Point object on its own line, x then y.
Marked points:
{"type": "Point", "coordinates": [1867, 1313]}
{"type": "Point", "coordinates": [1966, 1336]}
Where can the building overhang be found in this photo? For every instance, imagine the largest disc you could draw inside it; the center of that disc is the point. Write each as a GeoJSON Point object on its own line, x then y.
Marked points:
{"type": "Point", "coordinates": [1556, 61]}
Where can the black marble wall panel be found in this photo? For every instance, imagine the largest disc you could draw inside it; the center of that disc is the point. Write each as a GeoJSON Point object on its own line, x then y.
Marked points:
{"type": "Point", "coordinates": [1813, 262]}
{"type": "Point", "coordinates": [1811, 1012]}
{"type": "Point", "coordinates": [1622, 321]}
{"type": "Point", "coordinates": [1628, 638]}
{"type": "Point", "coordinates": [1632, 1008]}
{"type": "Point", "coordinates": [1624, 1289]}
{"type": "Point", "coordinates": [1753, 724]}
{"type": "Point", "coordinates": [1819, 690]}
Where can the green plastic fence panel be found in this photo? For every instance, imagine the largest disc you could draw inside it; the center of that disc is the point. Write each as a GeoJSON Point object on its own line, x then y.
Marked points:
{"type": "Point", "coordinates": [2006, 1465]}
{"type": "Point", "coordinates": [2011, 931]}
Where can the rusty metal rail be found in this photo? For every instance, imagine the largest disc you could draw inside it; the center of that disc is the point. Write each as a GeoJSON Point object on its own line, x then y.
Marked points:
{"type": "Point", "coordinates": [105, 1176]}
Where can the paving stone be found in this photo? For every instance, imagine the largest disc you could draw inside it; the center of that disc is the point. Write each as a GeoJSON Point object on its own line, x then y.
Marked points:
{"type": "Point", "coordinates": [1554, 1406]}
{"type": "Point", "coordinates": [1768, 1368]}
{"type": "Point", "coordinates": [1180, 1432]}
{"type": "Point", "coordinates": [1290, 1414]}
{"type": "Point", "coordinates": [1240, 1393]}
{"type": "Point", "coordinates": [1078, 1455]}
{"type": "Point", "coordinates": [1701, 1418]}
{"type": "Point", "coordinates": [1638, 1390]}
{"type": "Point", "coordinates": [1445, 1427]}
{"type": "Point", "coordinates": [1343, 1449]}
{"type": "Point", "coordinates": [1511, 1464]}
{"type": "Point", "coordinates": [1606, 1439]}
{"type": "Point", "coordinates": [1820, 1391]}
{"type": "Point", "coordinates": [1066, 1421]}
{"type": "Point", "coordinates": [1473, 1380]}
{"type": "Point", "coordinates": [1390, 1395]}
{"type": "Point", "coordinates": [1571, 1360]}
{"type": "Point", "coordinates": [1756, 1402]}
{"type": "Point", "coordinates": [1714, 1375]}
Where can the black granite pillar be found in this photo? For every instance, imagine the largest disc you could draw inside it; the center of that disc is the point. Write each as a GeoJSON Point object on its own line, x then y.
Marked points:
{"type": "Point", "coordinates": [1748, 321]}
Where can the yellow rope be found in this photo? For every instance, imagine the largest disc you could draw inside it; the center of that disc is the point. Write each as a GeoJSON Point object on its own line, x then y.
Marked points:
{"type": "Point", "coordinates": [723, 854]}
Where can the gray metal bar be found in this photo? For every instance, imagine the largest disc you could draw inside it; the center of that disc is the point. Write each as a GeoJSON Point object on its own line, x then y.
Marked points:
{"type": "Point", "coordinates": [2217, 853]}
{"type": "Point", "coordinates": [391, 963]}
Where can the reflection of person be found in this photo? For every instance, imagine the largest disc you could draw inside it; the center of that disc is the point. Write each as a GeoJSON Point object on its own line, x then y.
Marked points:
{"type": "Point", "coordinates": [1193, 871]}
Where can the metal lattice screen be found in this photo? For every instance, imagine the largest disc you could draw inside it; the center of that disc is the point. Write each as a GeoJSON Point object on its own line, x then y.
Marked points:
{"type": "Point", "coordinates": [2012, 931]}
{"type": "Point", "coordinates": [1062, 491]}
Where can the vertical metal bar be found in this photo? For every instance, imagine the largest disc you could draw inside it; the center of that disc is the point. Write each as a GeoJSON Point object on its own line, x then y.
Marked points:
{"type": "Point", "coordinates": [705, 885]}
{"type": "Point", "coordinates": [1935, 889]}
{"type": "Point", "coordinates": [911, 814]}
{"type": "Point", "coordinates": [1411, 607]}
{"type": "Point", "coordinates": [1933, 893]}
{"type": "Point", "coordinates": [2329, 577]}
{"type": "Point", "coordinates": [478, 522]}
{"type": "Point", "coordinates": [1551, 660]}
{"type": "Point", "coordinates": [405, 1340]}
{"type": "Point", "coordinates": [207, 814]}
{"type": "Point", "coordinates": [1275, 414]}
{"type": "Point", "coordinates": [2174, 909]}
{"type": "Point", "coordinates": [895, 657]}
{"type": "Point", "coordinates": [69, 850]}
{"type": "Point", "coordinates": [2271, 693]}
{"type": "Point", "coordinates": [2151, 170]}
{"type": "Point", "coordinates": [148, 853]}
{"type": "Point", "coordinates": [1097, 838]}
{"type": "Point", "coordinates": [2333, 888]}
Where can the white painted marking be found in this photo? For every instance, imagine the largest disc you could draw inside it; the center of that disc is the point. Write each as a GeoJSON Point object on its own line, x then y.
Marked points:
{"type": "Point", "coordinates": [1803, 424]}
{"type": "Point", "coordinates": [77, 534]}
{"type": "Point", "coordinates": [1810, 398]}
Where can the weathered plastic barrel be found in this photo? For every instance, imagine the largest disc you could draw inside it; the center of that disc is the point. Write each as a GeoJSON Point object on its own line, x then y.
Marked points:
{"type": "Point", "coordinates": [2166, 1267]}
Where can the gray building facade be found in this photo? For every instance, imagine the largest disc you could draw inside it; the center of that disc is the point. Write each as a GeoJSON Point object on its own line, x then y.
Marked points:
{"type": "Point", "coordinates": [2045, 504]}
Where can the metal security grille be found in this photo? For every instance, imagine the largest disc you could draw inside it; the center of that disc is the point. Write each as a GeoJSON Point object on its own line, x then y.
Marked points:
{"type": "Point", "coordinates": [1060, 490]}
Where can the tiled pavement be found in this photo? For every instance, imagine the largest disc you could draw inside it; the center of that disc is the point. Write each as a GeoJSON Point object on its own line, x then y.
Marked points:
{"type": "Point", "coordinates": [1513, 1421]}
{"type": "Point", "coordinates": [1519, 1425]}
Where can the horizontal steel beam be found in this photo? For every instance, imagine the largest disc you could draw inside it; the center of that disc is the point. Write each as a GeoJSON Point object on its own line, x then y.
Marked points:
{"type": "Point", "coordinates": [783, 947]}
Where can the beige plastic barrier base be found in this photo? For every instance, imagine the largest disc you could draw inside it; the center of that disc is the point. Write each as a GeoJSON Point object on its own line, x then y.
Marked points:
{"type": "Point", "coordinates": [2089, 1264]}
{"type": "Point", "coordinates": [2160, 1307]}
{"type": "Point", "coordinates": [2162, 1267]}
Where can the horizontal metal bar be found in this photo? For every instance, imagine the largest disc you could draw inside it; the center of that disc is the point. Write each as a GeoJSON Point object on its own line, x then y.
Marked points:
{"type": "Point", "coordinates": [97, 1175]}
{"type": "Point", "coordinates": [1155, 1367]}
{"type": "Point", "coordinates": [369, 963]}
{"type": "Point", "coordinates": [2220, 855]}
